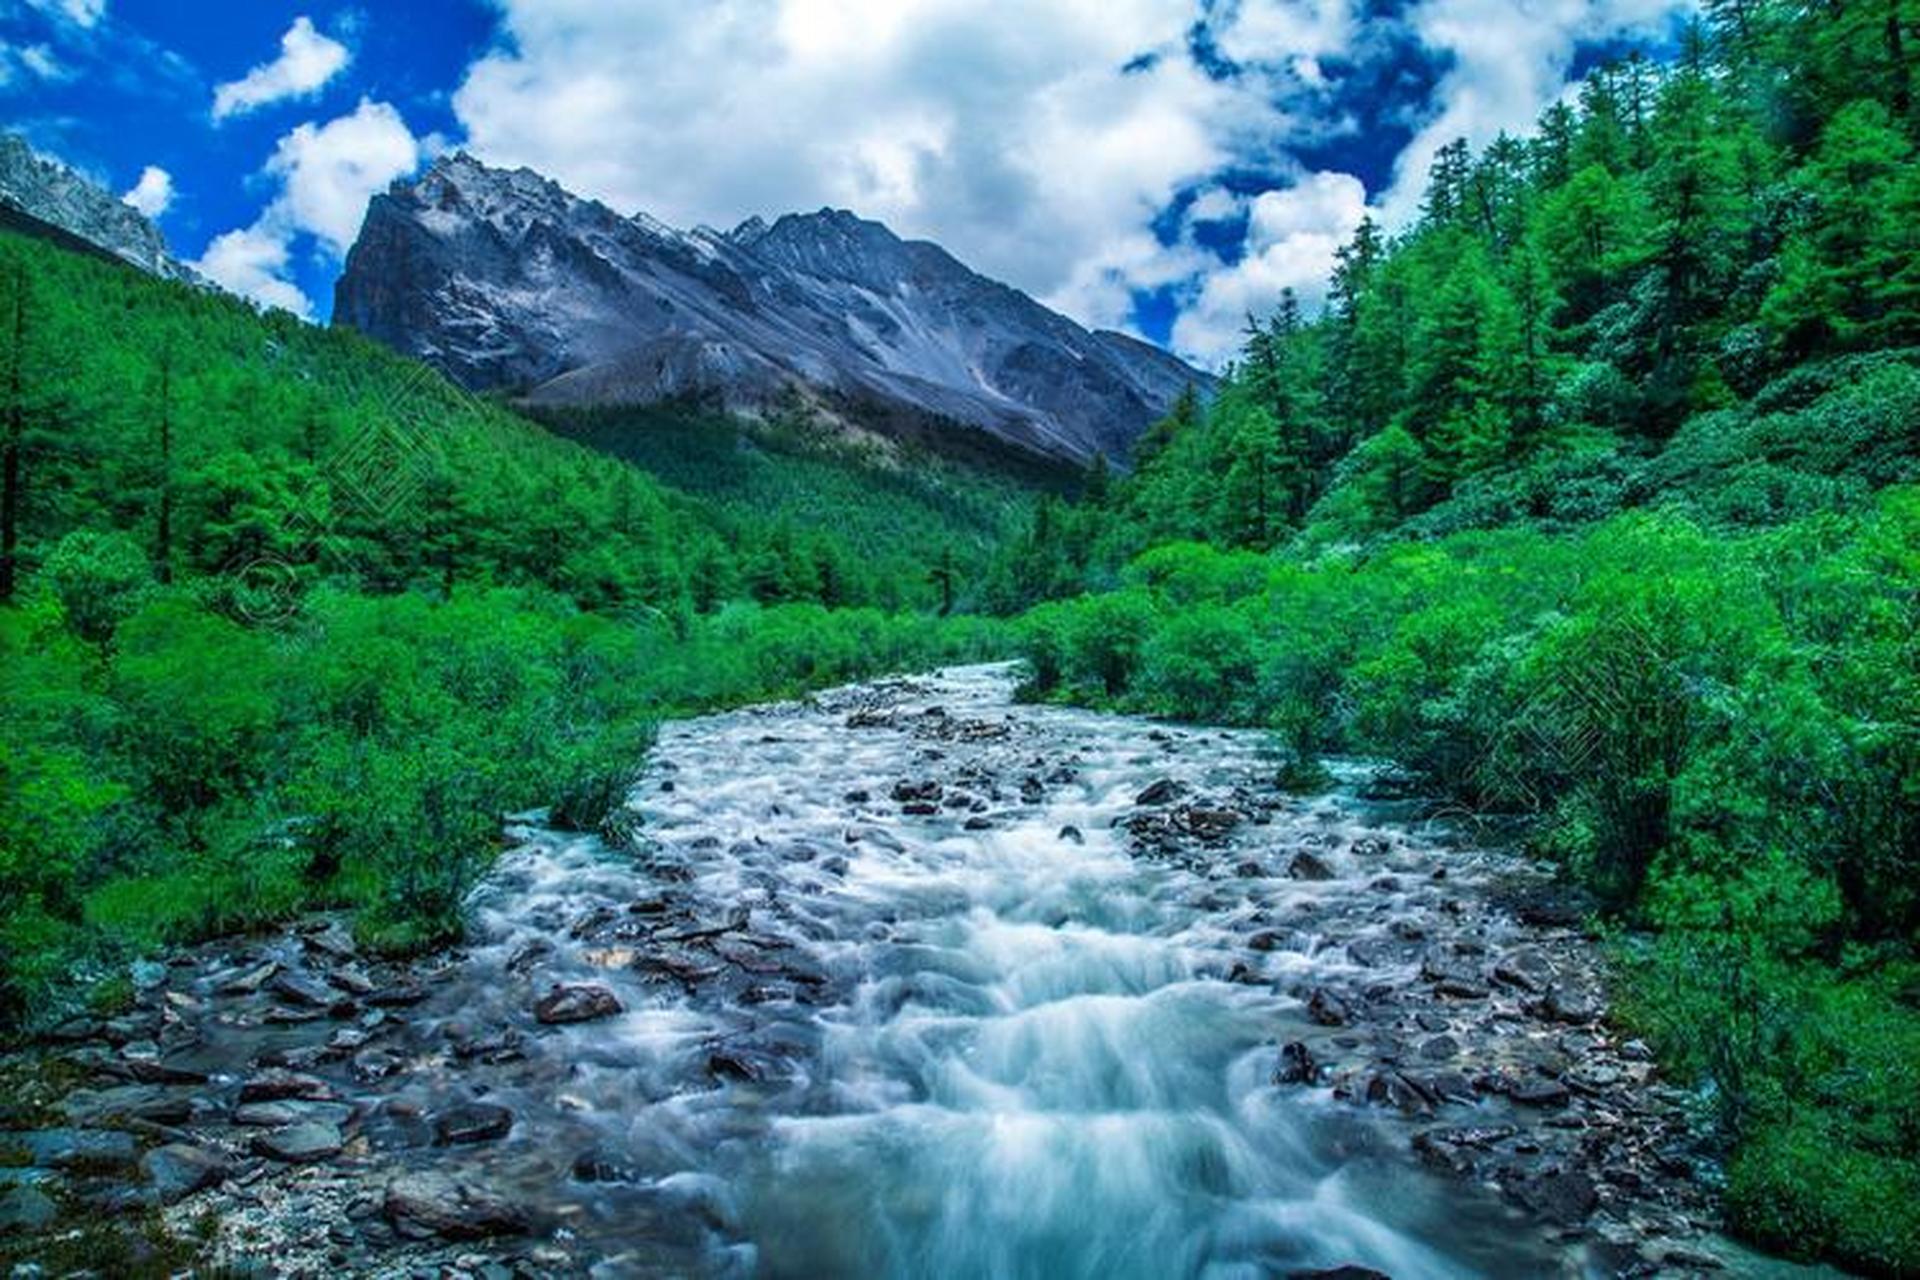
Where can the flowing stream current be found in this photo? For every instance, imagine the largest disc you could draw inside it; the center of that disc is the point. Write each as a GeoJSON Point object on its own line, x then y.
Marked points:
{"type": "Point", "coordinates": [903, 995]}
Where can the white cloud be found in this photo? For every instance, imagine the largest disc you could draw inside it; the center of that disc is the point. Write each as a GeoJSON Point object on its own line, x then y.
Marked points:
{"type": "Point", "coordinates": [1024, 146]}
{"type": "Point", "coordinates": [36, 61]}
{"type": "Point", "coordinates": [83, 13]}
{"type": "Point", "coordinates": [153, 193]}
{"type": "Point", "coordinates": [307, 61]}
{"type": "Point", "coordinates": [252, 262]}
{"type": "Point", "coordinates": [1044, 151]}
{"type": "Point", "coordinates": [328, 172]}
{"type": "Point", "coordinates": [1510, 62]}
{"type": "Point", "coordinates": [1292, 237]}
{"type": "Point", "coordinates": [326, 175]}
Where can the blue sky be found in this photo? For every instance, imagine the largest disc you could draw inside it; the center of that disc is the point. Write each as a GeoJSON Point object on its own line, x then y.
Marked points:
{"type": "Point", "coordinates": [1158, 165]}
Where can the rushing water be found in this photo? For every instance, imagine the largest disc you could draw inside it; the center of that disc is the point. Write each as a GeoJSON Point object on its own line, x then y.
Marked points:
{"type": "Point", "coordinates": [866, 1043]}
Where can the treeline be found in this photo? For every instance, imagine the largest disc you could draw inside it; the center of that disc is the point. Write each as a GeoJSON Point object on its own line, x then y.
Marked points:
{"type": "Point", "coordinates": [287, 622]}
{"type": "Point", "coordinates": [1590, 498]}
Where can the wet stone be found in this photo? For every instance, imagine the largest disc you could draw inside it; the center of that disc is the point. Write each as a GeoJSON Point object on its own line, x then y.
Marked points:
{"type": "Point", "coordinates": [471, 1122]}
{"type": "Point", "coordinates": [25, 1208]}
{"type": "Point", "coordinates": [301, 991]}
{"type": "Point", "coordinates": [247, 981]}
{"type": "Point", "coordinates": [1297, 1065]}
{"type": "Point", "coordinates": [1328, 1009]}
{"type": "Point", "coordinates": [304, 1143]}
{"type": "Point", "coordinates": [1309, 866]}
{"type": "Point", "coordinates": [75, 1150]}
{"type": "Point", "coordinates": [1164, 791]}
{"type": "Point", "coordinates": [428, 1204]}
{"type": "Point", "coordinates": [1539, 1091]}
{"type": "Point", "coordinates": [179, 1169]}
{"type": "Point", "coordinates": [581, 1002]}
{"type": "Point", "coordinates": [277, 1084]}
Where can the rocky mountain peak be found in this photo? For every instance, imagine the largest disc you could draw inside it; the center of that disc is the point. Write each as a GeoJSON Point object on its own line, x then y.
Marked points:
{"type": "Point", "coordinates": [51, 194]}
{"type": "Point", "coordinates": [505, 280]}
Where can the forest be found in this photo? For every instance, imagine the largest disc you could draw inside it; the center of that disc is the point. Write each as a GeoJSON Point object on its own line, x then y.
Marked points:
{"type": "Point", "coordinates": [1590, 499]}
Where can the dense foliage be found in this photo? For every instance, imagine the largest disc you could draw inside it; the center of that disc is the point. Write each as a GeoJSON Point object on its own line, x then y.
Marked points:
{"type": "Point", "coordinates": [291, 622]}
{"type": "Point", "coordinates": [1590, 498]}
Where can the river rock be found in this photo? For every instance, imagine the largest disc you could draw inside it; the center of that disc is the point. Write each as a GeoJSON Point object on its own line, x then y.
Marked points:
{"type": "Point", "coordinates": [245, 982]}
{"type": "Point", "coordinates": [577, 1002]}
{"type": "Point", "coordinates": [1561, 1004]}
{"type": "Point", "coordinates": [1328, 1009]}
{"type": "Point", "coordinates": [1309, 866]}
{"type": "Point", "coordinates": [602, 1165]}
{"type": "Point", "coordinates": [1539, 1091]}
{"type": "Point", "coordinates": [179, 1169]}
{"type": "Point", "coordinates": [154, 1104]}
{"type": "Point", "coordinates": [422, 1205]}
{"type": "Point", "coordinates": [1164, 791]}
{"type": "Point", "coordinates": [303, 1143]}
{"type": "Point", "coordinates": [276, 1084]}
{"type": "Point", "coordinates": [1296, 1064]}
{"type": "Point", "coordinates": [471, 1122]}
{"type": "Point", "coordinates": [76, 1150]}
{"type": "Point", "coordinates": [1565, 1196]}
{"type": "Point", "coordinates": [301, 991]}
{"type": "Point", "coordinates": [26, 1209]}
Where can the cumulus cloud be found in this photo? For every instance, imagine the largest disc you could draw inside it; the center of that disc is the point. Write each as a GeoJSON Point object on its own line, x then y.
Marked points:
{"type": "Point", "coordinates": [1509, 63]}
{"type": "Point", "coordinates": [153, 193]}
{"type": "Point", "coordinates": [325, 174]}
{"type": "Point", "coordinates": [252, 262]}
{"type": "Point", "coordinates": [1038, 150]}
{"type": "Point", "coordinates": [1051, 151]}
{"type": "Point", "coordinates": [307, 61]}
{"type": "Point", "coordinates": [1292, 237]}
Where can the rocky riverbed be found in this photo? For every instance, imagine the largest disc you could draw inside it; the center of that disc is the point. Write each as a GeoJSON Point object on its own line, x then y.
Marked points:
{"type": "Point", "coordinates": [902, 980]}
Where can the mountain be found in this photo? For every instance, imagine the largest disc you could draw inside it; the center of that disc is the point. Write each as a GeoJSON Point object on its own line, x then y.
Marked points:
{"type": "Point", "coordinates": [40, 196]}
{"type": "Point", "coordinates": [505, 281]}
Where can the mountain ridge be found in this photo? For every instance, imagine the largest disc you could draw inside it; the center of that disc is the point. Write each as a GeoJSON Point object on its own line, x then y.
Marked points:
{"type": "Point", "coordinates": [50, 199]}
{"type": "Point", "coordinates": [506, 281]}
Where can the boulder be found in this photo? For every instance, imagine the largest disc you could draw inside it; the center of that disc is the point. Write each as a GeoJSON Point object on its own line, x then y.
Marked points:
{"type": "Point", "coordinates": [276, 1084]}
{"type": "Point", "coordinates": [471, 1122]}
{"type": "Point", "coordinates": [303, 1143]}
{"type": "Point", "coordinates": [1164, 791]}
{"type": "Point", "coordinates": [179, 1169]}
{"type": "Point", "coordinates": [1309, 866]}
{"type": "Point", "coordinates": [301, 991]}
{"type": "Point", "coordinates": [1539, 1091]}
{"type": "Point", "coordinates": [576, 1002]}
{"type": "Point", "coordinates": [1562, 1004]}
{"type": "Point", "coordinates": [1563, 1196]}
{"type": "Point", "coordinates": [24, 1209]}
{"type": "Point", "coordinates": [76, 1150]}
{"type": "Point", "coordinates": [426, 1204]}
{"type": "Point", "coordinates": [1296, 1065]}
{"type": "Point", "coordinates": [1328, 1009]}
